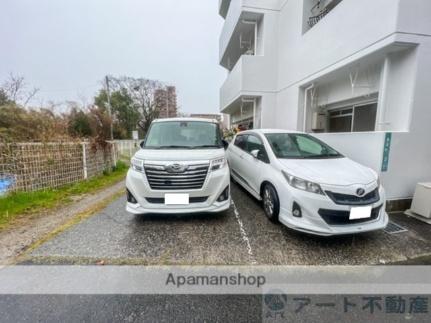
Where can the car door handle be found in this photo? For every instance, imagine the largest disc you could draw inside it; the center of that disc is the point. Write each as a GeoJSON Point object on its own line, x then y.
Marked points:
{"type": "Point", "coordinates": [241, 156]}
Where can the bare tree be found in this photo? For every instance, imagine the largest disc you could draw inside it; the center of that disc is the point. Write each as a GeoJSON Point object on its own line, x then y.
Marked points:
{"type": "Point", "coordinates": [16, 89]}
{"type": "Point", "coordinates": [143, 93]}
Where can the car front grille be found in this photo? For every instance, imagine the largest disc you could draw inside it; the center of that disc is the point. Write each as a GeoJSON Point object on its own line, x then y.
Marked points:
{"type": "Point", "coordinates": [335, 217]}
{"type": "Point", "coordinates": [192, 178]}
{"type": "Point", "coordinates": [344, 199]}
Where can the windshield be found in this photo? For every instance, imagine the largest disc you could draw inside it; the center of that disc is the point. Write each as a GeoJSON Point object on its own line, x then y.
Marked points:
{"type": "Point", "coordinates": [183, 134]}
{"type": "Point", "coordinates": [303, 146]}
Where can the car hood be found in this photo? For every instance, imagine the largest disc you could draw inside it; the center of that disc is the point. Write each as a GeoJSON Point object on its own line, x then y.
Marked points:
{"type": "Point", "coordinates": [179, 154]}
{"type": "Point", "coordinates": [334, 171]}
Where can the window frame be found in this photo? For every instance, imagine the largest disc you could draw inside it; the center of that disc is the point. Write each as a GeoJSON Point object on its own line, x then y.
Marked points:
{"type": "Point", "coordinates": [352, 114]}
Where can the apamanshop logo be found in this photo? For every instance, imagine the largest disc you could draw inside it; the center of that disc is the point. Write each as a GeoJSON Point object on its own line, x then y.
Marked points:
{"type": "Point", "coordinates": [215, 280]}
{"type": "Point", "coordinates": [274, 306]}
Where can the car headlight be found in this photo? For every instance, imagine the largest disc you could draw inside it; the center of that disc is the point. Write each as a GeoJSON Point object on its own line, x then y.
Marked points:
{"type": "Point", "coordinates": [218, 163]}
{"type": "Point", "coordinates": [137, 164]}
{"type": "Point", "coordinates": [302, 184]}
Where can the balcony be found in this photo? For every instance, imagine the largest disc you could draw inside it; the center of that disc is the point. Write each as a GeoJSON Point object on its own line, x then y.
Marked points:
{"type": "Point", "coordinates": [245, 40]}
{"type": "Point", "coordinates": [250, 76]}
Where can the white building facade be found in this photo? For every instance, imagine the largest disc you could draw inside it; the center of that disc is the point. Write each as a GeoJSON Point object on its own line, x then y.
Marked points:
{"type": "Point", "coordinates": [356, 74]}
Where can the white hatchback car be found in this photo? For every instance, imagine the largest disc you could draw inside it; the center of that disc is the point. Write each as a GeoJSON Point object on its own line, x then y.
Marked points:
{"type": "Point", "coordinates": [307, 185]}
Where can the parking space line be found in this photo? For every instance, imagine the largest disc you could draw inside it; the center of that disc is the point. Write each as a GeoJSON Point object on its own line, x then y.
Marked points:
{"type": "Point", "coordinates": [243, 234]}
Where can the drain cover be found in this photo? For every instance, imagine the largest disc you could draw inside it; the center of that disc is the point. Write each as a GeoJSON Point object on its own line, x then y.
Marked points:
{"type": "Point", "coordinates": [393, 228]}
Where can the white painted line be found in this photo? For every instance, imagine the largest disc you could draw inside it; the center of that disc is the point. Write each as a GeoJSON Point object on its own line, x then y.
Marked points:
{"type": "Point", "coordinates": [244, 234]}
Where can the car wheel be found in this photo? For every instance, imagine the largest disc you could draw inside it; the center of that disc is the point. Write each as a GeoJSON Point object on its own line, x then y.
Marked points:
{"type": "Point", "coordinates": [271, 203]}
{"type": "Point", "coordinates": [233, 179]}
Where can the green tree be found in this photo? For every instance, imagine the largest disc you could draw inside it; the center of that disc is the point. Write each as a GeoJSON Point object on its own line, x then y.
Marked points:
{"type": "Point", "coordinates": [133, 101]}
{"type": "Point", "coordinates": [124, 111]}
{"type": "Point", "coordinates": [4, 99]}
{"type": "Point", "coordinates": [79, 124]}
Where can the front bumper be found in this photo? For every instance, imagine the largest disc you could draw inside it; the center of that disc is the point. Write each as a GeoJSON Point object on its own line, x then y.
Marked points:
{"type": "Point", "coordinates": [215, 183]}
{"type": "Point", "coordinates": [312, 222]}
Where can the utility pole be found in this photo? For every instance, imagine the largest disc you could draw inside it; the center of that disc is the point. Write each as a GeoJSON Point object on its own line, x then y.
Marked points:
{"type": "Point", "coordinates": [109, 106]}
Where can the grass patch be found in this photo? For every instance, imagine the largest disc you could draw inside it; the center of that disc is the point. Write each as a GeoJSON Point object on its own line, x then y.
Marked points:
{"type": "Point", "coordinates": [19, 204]}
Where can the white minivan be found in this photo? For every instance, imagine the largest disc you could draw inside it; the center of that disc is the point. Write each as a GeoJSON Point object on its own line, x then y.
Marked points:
{"type": "Point", "coordinates": [307, 185]}
{"type": "Point", "coordinates": [180, 168]}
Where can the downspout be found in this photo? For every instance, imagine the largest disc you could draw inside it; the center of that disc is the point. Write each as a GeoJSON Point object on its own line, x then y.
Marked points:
{"type": "Point", "coordinates": [304, 121]}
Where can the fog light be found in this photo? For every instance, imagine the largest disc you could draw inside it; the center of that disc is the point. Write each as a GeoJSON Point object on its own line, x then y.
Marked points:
{"type": "Point", "coordinates": [131, 198]}
{"type": "Point", "coordinates": [224, 195]}
{"type": "Point", "coordinates": [296, 210]}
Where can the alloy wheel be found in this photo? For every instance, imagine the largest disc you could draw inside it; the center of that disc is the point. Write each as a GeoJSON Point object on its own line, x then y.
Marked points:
{"type": "Point", "coordinates": [268, 202]}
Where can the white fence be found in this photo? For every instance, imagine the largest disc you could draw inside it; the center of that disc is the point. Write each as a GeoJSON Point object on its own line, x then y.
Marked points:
{"type": "Point", "coordinates": [34, 166]}
{"type": "Point", "coordinates": [126, 148]}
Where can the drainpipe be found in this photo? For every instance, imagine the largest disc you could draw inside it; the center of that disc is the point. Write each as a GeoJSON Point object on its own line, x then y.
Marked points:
{"type": "Point", "coordinates": [304, 122]}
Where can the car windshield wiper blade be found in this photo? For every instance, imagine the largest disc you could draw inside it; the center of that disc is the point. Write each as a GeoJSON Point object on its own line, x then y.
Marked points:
{"type": "Point", "coordinates": [315, 156]}
{"type": "Point", "coordinates": [174, 147]}
{"type": "Point", "coordinates": [322, 156]}
{"type": "Point", "coordinates": [206, 146]}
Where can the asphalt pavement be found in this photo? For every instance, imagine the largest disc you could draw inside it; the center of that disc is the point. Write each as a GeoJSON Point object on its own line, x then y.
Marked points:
{"type": "Point", "coordinates": [241, 235]}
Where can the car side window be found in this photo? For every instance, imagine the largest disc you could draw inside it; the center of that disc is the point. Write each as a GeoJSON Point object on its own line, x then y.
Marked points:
{"type": "Point", "coordinates": [241, 141]}
{"type": "Point", "coordinates": [254, 143]}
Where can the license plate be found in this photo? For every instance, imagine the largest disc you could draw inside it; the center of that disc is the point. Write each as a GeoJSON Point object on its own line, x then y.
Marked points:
{"type": "Point", "coordinates": [360, 213]}
{"type": "Point", "coordinates": [176, 199]}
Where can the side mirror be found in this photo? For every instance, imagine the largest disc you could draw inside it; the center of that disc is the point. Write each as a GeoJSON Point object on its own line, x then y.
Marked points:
{"type": "Point", "coordinates": [255, 153]}
{"type": "Point", "coordinates": [225, 144]}
{"type": "Point", "coordinates": [142, 144]}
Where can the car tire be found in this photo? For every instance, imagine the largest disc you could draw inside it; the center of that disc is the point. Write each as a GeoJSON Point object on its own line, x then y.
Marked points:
{"type": "Point", "coordinates": [233, 180]}
{"type": "Point", "coordinates": [270, 202]}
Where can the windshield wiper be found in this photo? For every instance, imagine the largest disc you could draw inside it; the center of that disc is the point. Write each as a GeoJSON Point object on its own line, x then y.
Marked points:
{"type": "Point", "coordinates": [321, 156]}
{"type": "Point", "coordinates": [174, 147]}
{"type": "Point", "coordinates": [206, 146]}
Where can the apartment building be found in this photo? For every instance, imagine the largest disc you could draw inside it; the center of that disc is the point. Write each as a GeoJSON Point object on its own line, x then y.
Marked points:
{"type": "Point", "coordinates": [357, 74]}
{"type": "Point", "coordinates": [166, 102]}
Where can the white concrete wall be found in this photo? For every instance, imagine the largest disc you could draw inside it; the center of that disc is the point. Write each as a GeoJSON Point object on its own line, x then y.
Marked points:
{"type": "Point", "coordinates": [365, 148]}
{"type": "Point", "coordinates": [410, 159]}
{"type": "Point", "coordinates": [352, 26]}
{"type": "Point", "coordinates": [406, 101]}
{"type": "Point", "coordinates": [397, 95]}
{"type": "Point", "coordinates": [354, 32]}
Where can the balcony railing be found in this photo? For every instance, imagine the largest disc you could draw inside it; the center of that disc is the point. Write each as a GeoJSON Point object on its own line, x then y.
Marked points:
{"type": "Point", "coordinates": [320, 10]}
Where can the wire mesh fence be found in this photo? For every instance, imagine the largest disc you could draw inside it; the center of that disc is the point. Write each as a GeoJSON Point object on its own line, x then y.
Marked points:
{"type": "Point", "coordinates": [126, 148]}
{"type": "Point", "coordinates": [34, 166]}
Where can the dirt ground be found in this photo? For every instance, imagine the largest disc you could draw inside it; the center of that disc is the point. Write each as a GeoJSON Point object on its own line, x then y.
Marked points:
{"type": "Point", "coordinates": [22, 234]}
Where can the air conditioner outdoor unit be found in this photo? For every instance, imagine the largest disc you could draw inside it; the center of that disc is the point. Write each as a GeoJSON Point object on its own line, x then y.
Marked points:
{"type": "Point", "coordinates": [318, 121]}
{"type": "Point", "coordinates": [421, 204]}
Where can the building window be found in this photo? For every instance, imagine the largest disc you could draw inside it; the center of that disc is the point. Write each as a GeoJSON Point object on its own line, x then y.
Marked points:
{"type": "Point", "coordinates": [357, 118]}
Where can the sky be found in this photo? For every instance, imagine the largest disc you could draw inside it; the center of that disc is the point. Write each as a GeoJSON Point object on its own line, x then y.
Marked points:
{"type": "Point", "coordinates": [65, 48]}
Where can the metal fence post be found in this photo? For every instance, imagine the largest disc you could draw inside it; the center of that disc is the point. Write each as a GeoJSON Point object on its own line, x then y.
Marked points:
{"type": "Point", "coordinates": [84, 160]}
{"type": "Point", "coordinates": [113, 153]}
